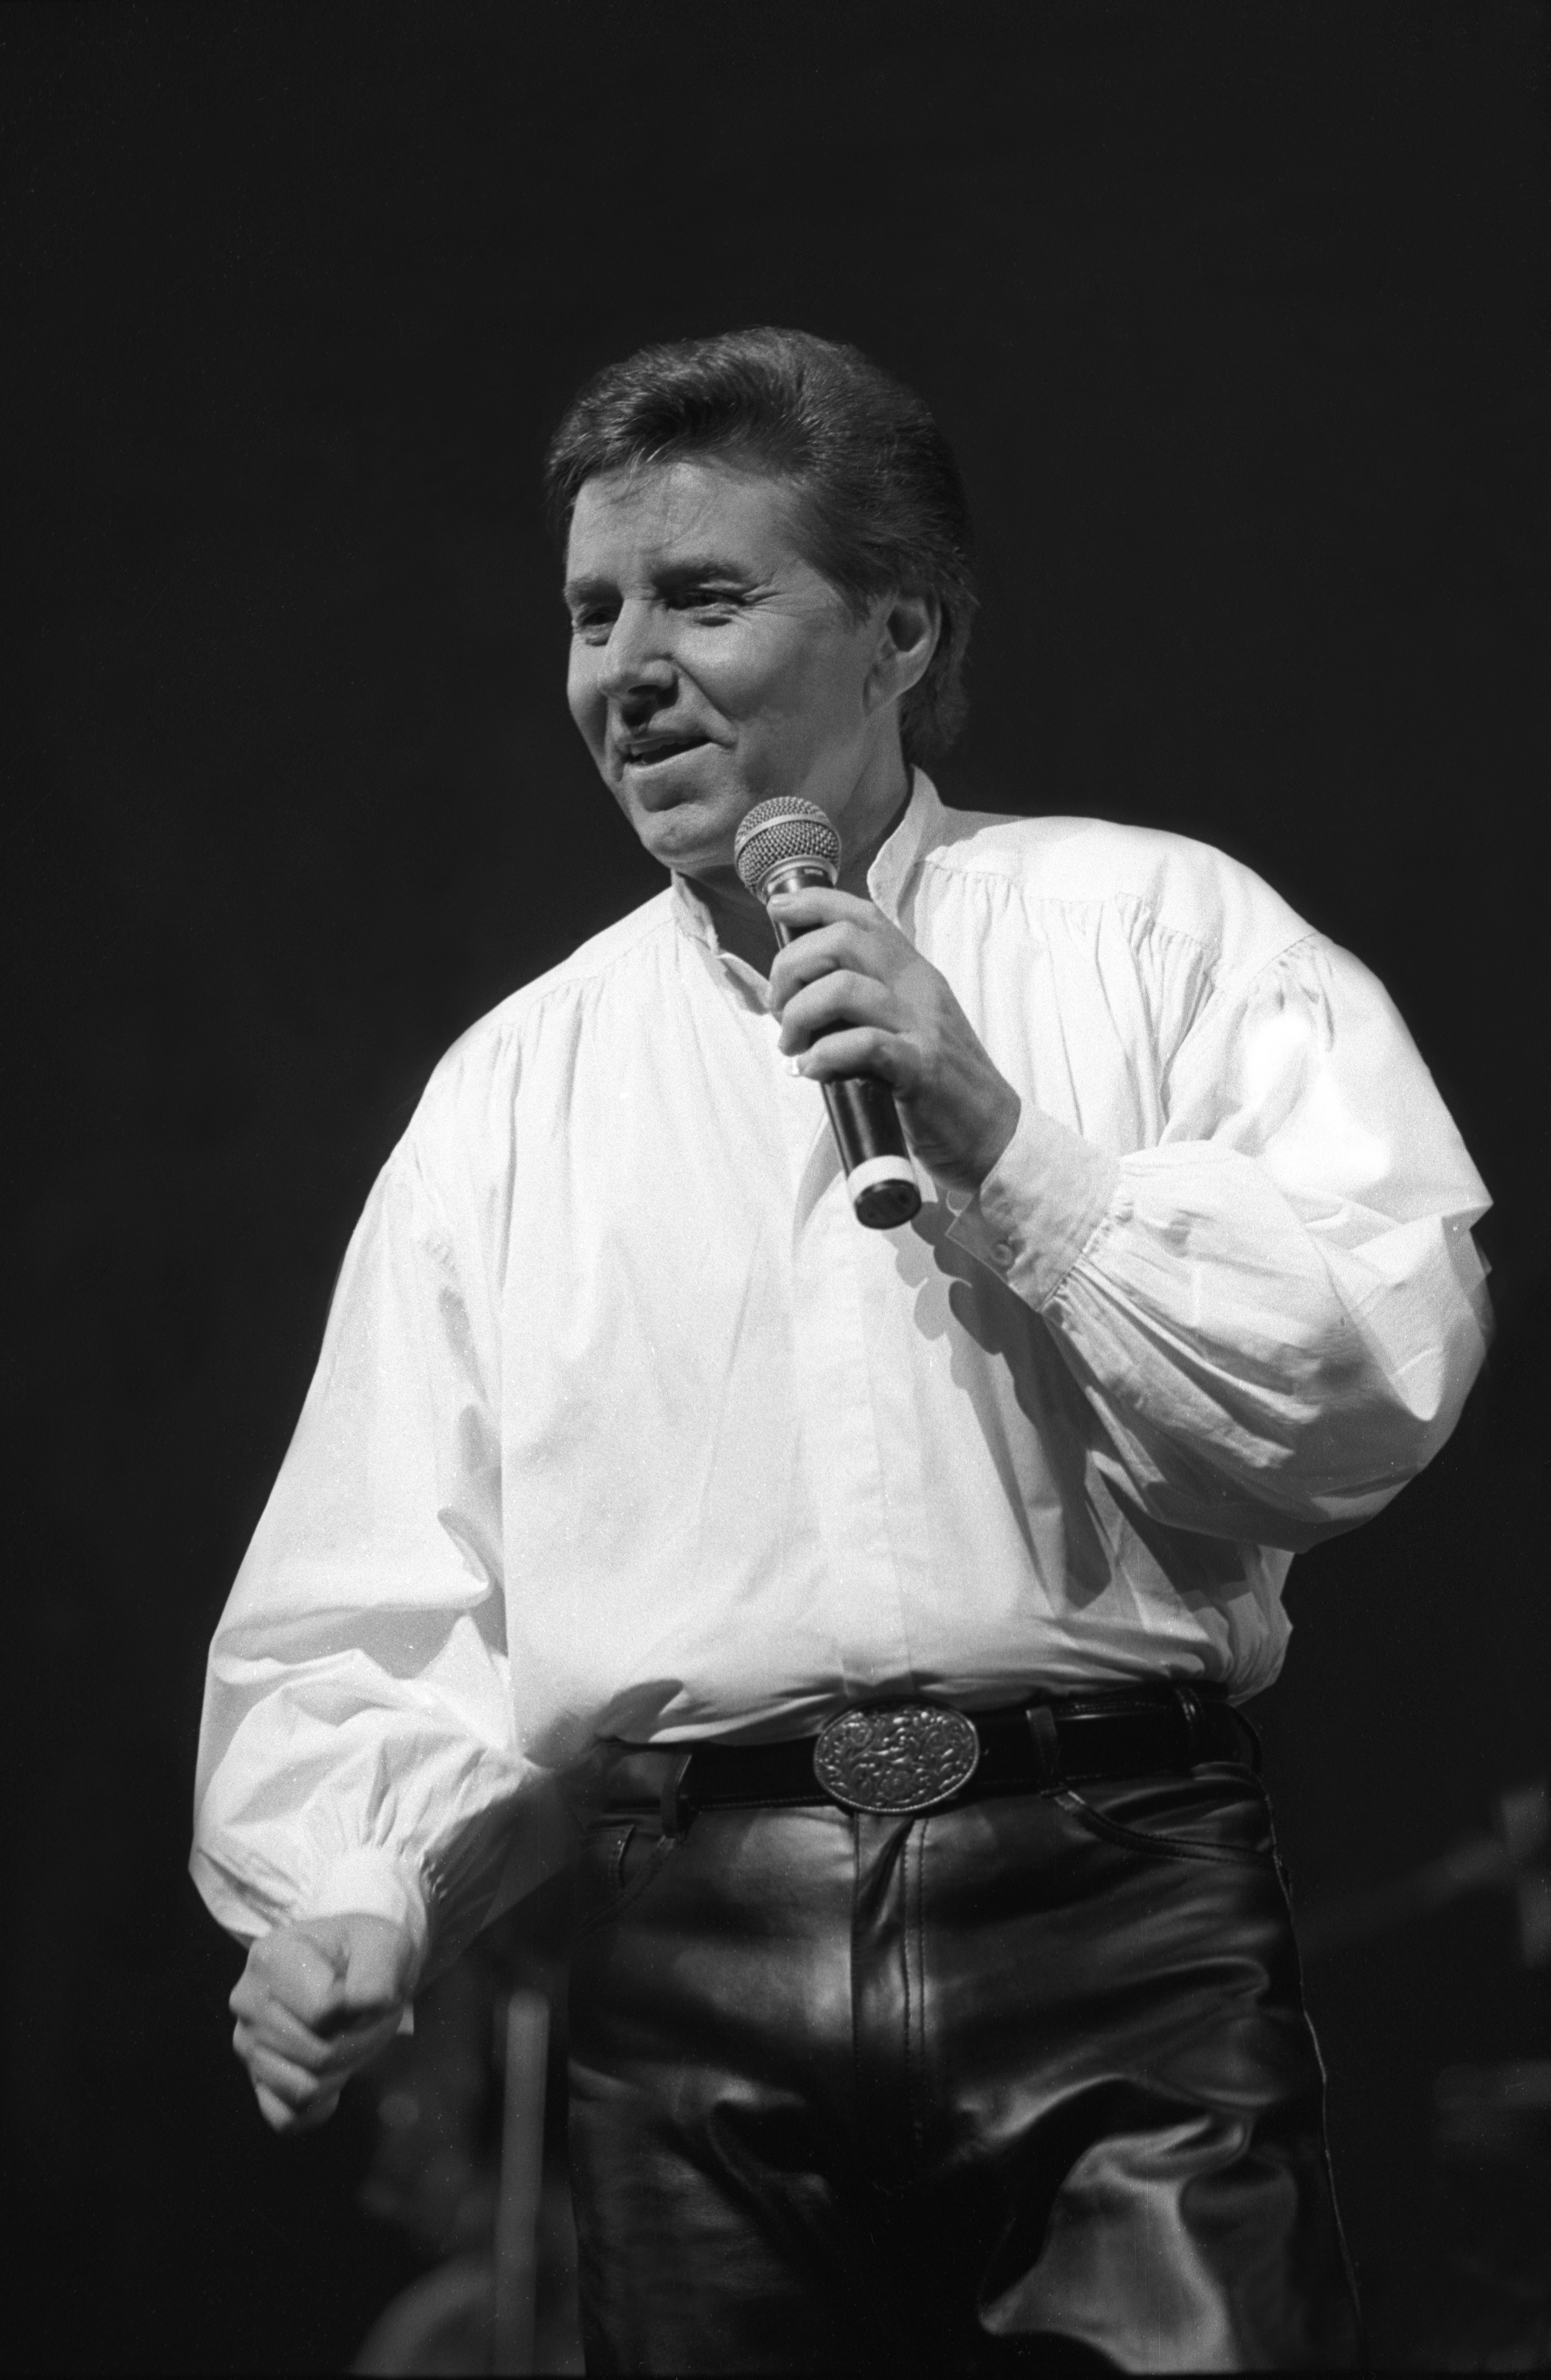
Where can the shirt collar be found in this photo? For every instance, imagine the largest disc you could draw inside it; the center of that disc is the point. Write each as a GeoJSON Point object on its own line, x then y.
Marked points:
{"type": "Point", "coordinates": [920, 827]}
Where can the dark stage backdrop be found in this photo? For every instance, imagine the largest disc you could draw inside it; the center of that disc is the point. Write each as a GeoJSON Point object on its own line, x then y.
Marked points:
{"type": "Point", "coordinates": [1234, 314]}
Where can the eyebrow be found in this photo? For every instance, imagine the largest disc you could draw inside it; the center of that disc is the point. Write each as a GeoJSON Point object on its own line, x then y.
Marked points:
{"type": "Point", "coordinates": [690, 570]}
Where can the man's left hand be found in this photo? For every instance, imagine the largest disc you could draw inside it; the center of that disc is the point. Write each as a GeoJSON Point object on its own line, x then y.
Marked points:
{"type": "Point", "coordinates": [854, 998]}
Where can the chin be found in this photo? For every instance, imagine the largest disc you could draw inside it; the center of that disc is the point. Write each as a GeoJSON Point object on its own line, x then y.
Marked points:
{"type": "Point", "coordinates": [691, 836]}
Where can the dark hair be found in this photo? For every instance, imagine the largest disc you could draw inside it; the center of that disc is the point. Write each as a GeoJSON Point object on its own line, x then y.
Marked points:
{"type": "Point", "coordinates": [883, 508]}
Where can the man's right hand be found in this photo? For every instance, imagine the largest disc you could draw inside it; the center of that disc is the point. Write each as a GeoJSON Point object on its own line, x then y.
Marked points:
{"type": "Point", "coordinates": [318, 2001]}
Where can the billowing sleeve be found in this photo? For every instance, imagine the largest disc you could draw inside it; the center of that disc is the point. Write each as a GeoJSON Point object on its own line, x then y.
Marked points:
{"type": "Point", "coordinates": [358, 1748]}
{"type": "Point", "coordinates": [1276, 1312]}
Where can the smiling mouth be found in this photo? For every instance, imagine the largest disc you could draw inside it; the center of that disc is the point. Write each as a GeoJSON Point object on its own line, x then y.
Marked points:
{"type": "Point", "coordinates": [651, 751]}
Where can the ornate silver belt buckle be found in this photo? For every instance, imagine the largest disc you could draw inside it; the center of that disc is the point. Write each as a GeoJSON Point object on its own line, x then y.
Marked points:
{"type": "Point", "coordinates": [895, 1759]}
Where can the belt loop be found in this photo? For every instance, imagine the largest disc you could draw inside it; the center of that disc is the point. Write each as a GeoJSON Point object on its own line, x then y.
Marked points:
{"type": "Point", "coordinates": [1194, 1718]}
{"type": "Point", "coordinates": [1045, 1740]}
{"type": "Point", "coordinates": [675, 1820]}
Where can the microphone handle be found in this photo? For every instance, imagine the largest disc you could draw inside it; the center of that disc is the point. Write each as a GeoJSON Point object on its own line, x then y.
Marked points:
{"type": "Point", "coordinates": [870, 1138]}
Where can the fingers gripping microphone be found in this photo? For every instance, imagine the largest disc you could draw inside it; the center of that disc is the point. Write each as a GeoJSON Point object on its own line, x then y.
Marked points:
{"type": "Point", "coordinates": [785, 846]}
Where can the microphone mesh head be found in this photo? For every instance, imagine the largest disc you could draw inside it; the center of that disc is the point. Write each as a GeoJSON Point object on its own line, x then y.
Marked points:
{"type": "Point", "coordinates": [786, 829]}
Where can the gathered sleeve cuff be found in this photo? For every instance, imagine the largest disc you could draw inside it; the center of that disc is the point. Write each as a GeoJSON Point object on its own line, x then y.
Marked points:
{"type": "Point", "coordinates": [1039, 1206]}
{"type": "Point", "coordinates": [375, 1885]}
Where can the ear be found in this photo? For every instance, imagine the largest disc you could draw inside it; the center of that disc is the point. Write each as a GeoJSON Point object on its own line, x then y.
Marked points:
{"type": "Point", "coordinates": [908, 628]}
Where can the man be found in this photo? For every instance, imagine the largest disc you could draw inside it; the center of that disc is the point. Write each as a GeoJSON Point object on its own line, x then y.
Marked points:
{"type": "Point", "coordinates": [876, 1601]}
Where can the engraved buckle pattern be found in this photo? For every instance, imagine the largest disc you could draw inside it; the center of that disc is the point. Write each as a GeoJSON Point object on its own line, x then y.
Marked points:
{"type": "Point", "coordinates": [896, 1758]}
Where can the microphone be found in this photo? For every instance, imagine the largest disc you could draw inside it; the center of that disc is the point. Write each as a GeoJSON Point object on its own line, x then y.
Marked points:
{"type": "Point", "coordinates": [787, 846]}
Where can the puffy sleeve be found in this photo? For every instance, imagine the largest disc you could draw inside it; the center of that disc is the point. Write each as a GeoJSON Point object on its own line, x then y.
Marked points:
{"type": "Point", "coordinates": [1276, 1312]}
{"type": "Point", "coordinates": [358, 1748]}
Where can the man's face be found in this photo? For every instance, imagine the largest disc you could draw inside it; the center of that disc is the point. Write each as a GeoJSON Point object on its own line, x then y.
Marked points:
{"type": "Point", "coordinates": [711, 666]}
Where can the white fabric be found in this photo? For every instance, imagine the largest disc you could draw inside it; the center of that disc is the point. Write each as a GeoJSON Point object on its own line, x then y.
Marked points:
{"type": "Point", "coordinates": [623, 1426]}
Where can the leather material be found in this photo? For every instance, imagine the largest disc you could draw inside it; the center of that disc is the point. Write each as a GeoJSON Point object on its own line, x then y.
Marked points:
{"type": "Point", "coordinates": [1021, 2085]}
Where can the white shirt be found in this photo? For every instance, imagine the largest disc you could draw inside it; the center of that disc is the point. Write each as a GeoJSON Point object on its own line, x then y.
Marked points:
{"type": "Point", "coordinates": [624, 1427]}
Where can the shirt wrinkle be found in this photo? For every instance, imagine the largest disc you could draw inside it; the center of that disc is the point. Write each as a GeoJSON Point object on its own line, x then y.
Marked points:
{"type": "Point", "coordinates": [1230, 988]}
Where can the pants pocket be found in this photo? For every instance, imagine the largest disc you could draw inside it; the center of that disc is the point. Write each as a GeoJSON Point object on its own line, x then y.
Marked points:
{"type": "Point", "coordinates": [1216, 1812]}
{"type": "Point", "coordinates": [620, 1857]}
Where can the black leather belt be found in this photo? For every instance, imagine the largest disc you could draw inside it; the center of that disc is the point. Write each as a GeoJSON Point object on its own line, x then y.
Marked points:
{"type": "Point", "coordinates": [902, 1757]}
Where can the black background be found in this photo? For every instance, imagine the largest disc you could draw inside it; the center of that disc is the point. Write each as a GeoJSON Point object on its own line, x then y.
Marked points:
{"type": "Point", "coordinates": [1235, 316]}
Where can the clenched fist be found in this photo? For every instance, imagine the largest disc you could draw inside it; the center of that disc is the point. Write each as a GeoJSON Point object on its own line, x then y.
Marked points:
{"type": "Point", "coordinates": [854, 997]}
{"type": "Point", "coordinates": [316, 2002]}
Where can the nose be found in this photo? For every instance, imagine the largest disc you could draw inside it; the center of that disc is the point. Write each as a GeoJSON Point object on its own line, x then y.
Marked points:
{"type": "Point", "coordinates": [635, 659]}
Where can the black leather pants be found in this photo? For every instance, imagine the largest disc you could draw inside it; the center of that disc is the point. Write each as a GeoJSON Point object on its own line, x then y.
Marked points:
{"type": "Point", "coordinates": [1021, 2085]}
